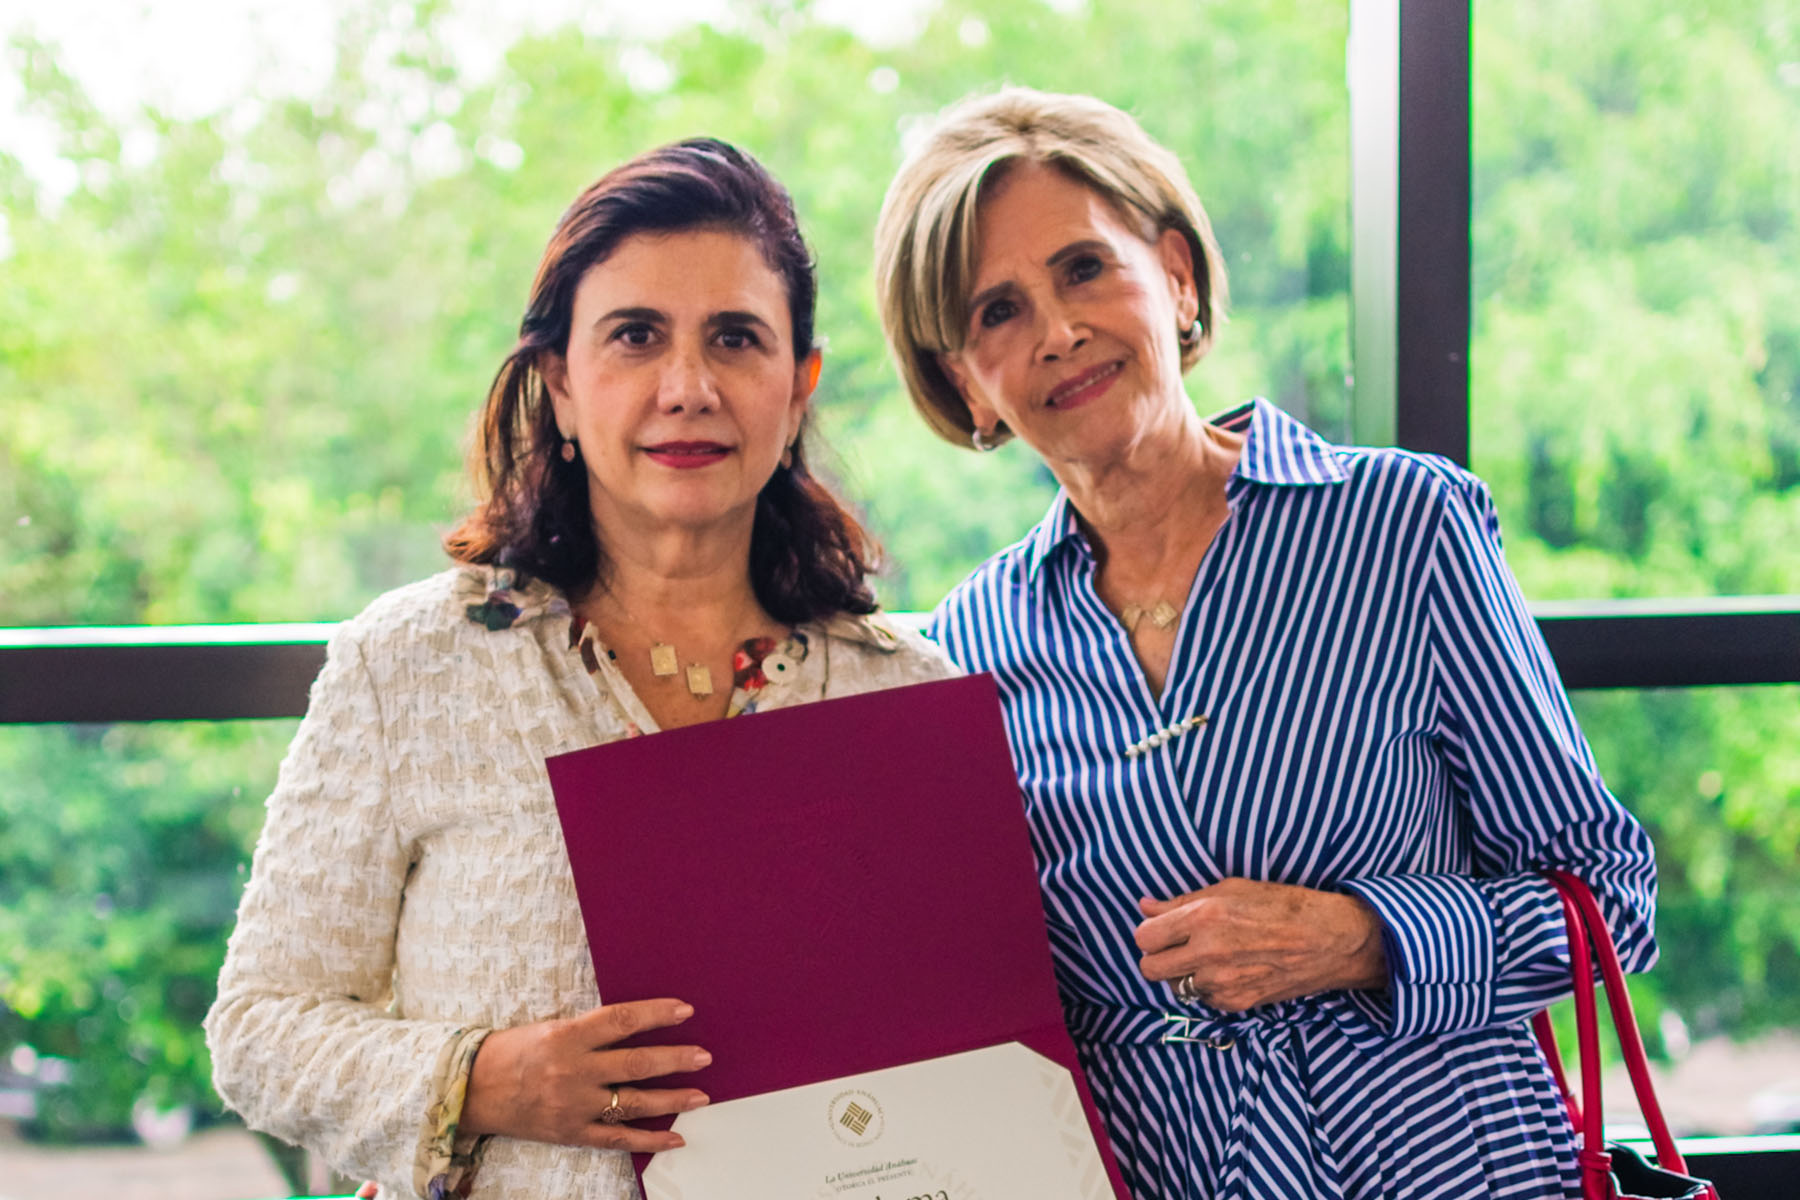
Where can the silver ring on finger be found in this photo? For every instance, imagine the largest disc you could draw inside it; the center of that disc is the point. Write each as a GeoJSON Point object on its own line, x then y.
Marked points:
{"type": "Point", "coordinates": [1186, 990]}
{"type": "Point", "coordinates": [613, 1113]}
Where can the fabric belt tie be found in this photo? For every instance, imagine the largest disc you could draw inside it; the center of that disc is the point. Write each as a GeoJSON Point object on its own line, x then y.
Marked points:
{"type": "Point", "coordinates": [1119, 1024]}
{"type": "Point", "coordinates": [1274, 1146]}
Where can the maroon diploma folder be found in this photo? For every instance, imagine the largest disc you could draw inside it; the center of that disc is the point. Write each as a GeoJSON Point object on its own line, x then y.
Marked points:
{"type": "Point", "coordinates": [836, 888]}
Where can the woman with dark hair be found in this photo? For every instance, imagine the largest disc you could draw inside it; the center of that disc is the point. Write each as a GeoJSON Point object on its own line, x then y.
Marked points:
{"type": "Point", "coordinates": [409, 992]}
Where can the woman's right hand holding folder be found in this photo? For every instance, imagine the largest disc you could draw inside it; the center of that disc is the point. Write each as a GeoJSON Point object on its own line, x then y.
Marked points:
{"type": "Point", "coordinates": [568, 1081]}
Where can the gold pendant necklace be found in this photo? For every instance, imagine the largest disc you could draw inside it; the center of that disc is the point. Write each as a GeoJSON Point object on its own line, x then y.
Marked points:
{"type": "Point", "coordinates": [664, 661]}
{"type": "Point", "coordinates": [1163, 615]}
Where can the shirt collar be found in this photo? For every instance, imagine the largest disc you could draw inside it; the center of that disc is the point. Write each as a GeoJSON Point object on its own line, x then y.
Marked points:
{"type": "Point", "coordinates": [1278, 451]}
{"type": "Point", "coordinates": [1057, 527]}
{"type": "Point", "coordinates": [501, 597]}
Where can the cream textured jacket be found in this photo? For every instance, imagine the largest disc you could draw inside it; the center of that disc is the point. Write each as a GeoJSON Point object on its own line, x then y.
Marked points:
{"type": "Point", "coordinates": [411, 883]}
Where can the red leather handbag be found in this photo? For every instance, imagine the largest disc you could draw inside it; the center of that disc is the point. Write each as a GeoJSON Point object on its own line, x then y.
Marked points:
{"type": "Point", "coordinates": [1612, 1172]}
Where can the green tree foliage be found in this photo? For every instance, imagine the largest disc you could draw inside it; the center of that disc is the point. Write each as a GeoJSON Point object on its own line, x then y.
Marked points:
{"type": "Point", "coordinates": [1636, 361]}
{"type": "Point", "coordinates": [121, 858]}
{"type": "Point", "coordinates": [240, 356]}
{"type": "Point", "coordinates": [304, 300]}
{"type": "Point", "coordinates": [240, 359]}
{"type": "Point", "coordinates": [1635, 381]}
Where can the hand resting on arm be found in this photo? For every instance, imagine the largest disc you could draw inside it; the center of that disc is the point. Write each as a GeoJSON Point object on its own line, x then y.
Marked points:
{"type": "Point", "coordinates": [1246, 943]}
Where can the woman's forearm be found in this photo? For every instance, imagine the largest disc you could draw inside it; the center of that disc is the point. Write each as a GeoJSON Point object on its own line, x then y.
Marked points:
{"type": "Point", "coordinates": [1243, 943]}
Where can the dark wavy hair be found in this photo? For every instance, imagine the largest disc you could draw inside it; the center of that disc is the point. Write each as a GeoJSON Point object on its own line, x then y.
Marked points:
{"type": "Point", "coordinates": [809, 558]}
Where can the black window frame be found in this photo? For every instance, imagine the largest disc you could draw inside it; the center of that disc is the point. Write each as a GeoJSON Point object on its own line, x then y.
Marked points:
{"type": "Point", "coordinates": [1410, 65]}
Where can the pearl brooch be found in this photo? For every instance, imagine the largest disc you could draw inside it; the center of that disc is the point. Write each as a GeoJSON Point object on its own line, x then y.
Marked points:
{"type": "Point", "coordinates": [1163, 736]}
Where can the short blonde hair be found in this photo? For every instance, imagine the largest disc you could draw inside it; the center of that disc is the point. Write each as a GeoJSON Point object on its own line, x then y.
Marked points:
{"type": "Point", "coordinates": [926, 237]}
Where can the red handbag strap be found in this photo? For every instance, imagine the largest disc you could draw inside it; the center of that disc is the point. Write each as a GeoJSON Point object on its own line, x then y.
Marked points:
{"type": "Point", "coordinates": [1546, 1039]}
{"type": "Point", "coordinates": [1596, 1163]}
{"type": "Point", "coordinates": [1582, 916]}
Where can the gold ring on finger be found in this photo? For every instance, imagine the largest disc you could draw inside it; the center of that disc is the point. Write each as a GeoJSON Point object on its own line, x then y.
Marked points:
{"type": "Point", "coordinates": [612, 1114]}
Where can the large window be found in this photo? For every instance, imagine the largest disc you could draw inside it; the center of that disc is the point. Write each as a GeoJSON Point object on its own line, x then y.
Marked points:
{"type": "Point", "coordinates": [243, 350]}
{"type": "Point", "coordinates": [1711, 774]}
{"type": "Point", "coordinates": [1635, 405]}
{"type": "Point", "coordinates": [1635, 367]}
{"type": "Point", "coordinates": [124, 850]}
{"type": "Point", "coordinates": [239, 353]}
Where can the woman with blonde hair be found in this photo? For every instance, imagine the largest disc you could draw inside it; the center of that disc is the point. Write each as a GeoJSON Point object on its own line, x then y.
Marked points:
{"type": "Point", "coordinates": [1292, 750]}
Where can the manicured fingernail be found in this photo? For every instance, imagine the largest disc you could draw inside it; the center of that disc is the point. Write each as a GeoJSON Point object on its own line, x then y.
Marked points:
{"type": "Point", "coordinates": [695, 1101]}
{"type": "Point", "coordinates": [683, 1011]}
{"type": "Point", "coordinates": [702, 1058]}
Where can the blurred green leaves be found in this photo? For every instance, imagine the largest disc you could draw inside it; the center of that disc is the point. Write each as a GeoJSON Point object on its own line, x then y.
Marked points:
{"type": "Point", "coordinates": [240, 357]}
{"type": "Point", "coordinates": [240, 353]}
{"type": "Point", "coordinates": [252, 346]}
{"type": "Point", "coordinates": [122, 855]}
{"type": "Point", "coordinates": [1635, 380]}
{"type": "Point", "coordinates": [1635, 369]}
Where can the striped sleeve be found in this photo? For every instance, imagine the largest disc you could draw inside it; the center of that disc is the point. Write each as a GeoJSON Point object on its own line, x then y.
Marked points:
{"type": "Point", "coordinates": [1489, 949]}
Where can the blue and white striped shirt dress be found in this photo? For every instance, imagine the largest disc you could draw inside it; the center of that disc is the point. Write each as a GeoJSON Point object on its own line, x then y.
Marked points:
{"type": "Point", "coordinates": [1381, 718]}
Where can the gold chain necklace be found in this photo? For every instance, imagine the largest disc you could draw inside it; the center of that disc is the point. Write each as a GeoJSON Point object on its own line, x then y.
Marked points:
{"type": "Point", "coordinates": [665, 661]}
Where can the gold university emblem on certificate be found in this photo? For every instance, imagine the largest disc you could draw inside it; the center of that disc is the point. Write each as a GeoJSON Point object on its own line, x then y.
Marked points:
{"type": "Point", "coordinates": [856, 1118]}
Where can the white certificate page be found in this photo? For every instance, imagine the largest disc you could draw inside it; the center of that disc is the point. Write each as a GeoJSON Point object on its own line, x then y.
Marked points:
{"type": "Point", "coordinates": [1001, 1123]}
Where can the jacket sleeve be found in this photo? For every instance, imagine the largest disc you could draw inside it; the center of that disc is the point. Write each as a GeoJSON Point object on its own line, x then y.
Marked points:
{"type": "Point", "coordinates": [1489, 948]}
{"type": "Point", "coordinates": [303, 1041]}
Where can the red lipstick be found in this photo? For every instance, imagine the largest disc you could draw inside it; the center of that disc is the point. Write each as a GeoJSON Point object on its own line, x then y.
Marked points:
{"type": "Point", "coordinates": [687, 456]}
